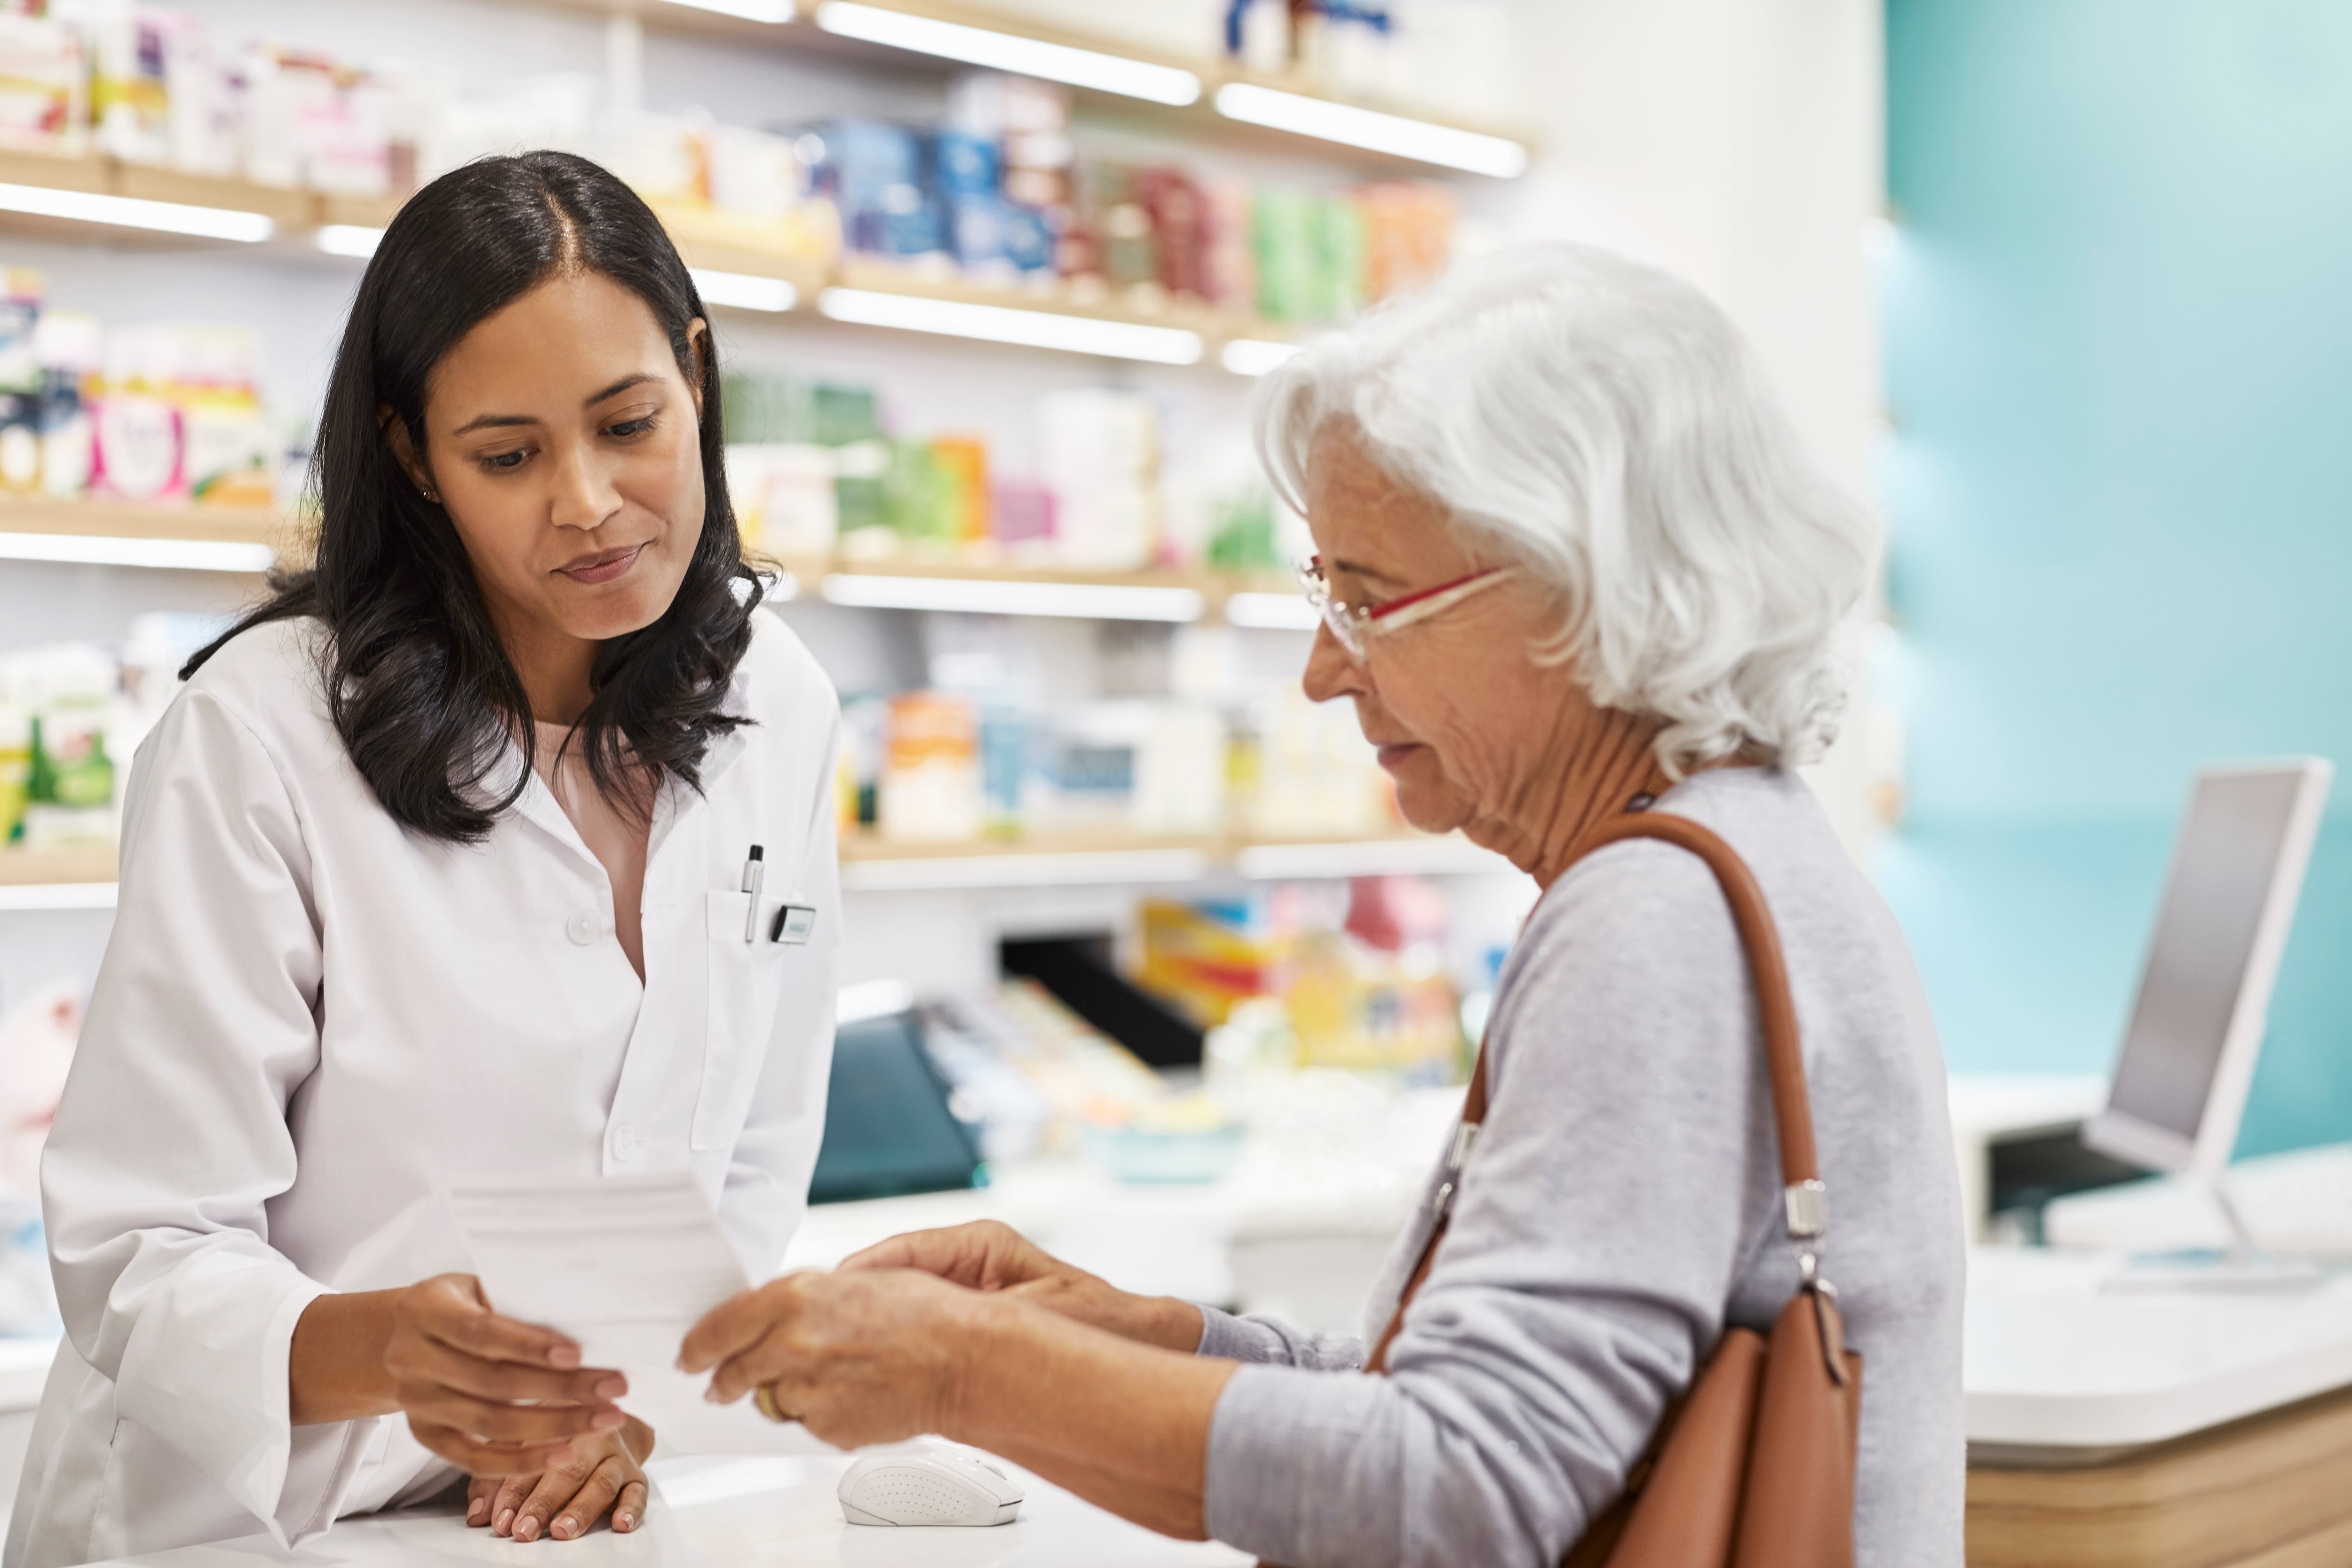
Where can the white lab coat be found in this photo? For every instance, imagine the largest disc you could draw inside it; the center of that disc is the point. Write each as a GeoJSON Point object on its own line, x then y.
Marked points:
{"type": "Point", "coordinates": [310, 1021]}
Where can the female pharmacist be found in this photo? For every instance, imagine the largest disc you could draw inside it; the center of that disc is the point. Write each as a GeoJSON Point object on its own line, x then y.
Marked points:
{"type": "Point", "coordinates": [432, 873]}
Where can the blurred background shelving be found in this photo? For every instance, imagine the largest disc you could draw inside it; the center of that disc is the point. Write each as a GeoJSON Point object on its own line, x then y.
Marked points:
{"type": "Point", "coordinates": [988, 343]}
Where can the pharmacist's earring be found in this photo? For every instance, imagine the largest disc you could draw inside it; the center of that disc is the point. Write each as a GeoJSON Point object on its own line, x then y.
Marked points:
{"type": "Point", "coordinates": [428, 495]}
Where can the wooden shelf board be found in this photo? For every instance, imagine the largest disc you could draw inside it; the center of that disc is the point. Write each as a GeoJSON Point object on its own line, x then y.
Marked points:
{"type": "Point", "coordinates": [986, 571]}
{"type": "Point", "coordinates": [97, 519]}
{"type": "Point", "coordinates": [21, 868]}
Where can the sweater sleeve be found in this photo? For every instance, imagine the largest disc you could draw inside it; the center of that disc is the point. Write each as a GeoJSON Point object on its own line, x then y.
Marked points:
{"type": "Point", "coordinates": [1598, 1231]}
{"type": "Point", "coordinates": [172, 1138]}
{"type": "Point", "coordinates": [1272, 1341]}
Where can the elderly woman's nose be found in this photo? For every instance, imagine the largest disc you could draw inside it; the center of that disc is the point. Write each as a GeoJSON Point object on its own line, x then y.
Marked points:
{"type": "Point", "coordinates": [1330, 671]}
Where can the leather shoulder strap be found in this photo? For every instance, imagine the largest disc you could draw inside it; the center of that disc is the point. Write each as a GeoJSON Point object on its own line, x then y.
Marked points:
{"type": "Point", "coordinates": [1803, 1196]}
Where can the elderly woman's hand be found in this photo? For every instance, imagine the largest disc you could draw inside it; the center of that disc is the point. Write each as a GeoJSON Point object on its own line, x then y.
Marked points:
{"type": "Point", "coordinates": [868, 1356]}
{"type": "Point", "coordinates": [988, 1254]}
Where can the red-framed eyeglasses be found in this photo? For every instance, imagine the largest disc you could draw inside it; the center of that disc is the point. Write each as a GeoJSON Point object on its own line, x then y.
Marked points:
{"type": "Point", "coordinates": [1355, 628]}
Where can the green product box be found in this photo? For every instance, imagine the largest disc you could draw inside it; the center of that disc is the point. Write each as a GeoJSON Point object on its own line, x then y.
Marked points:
{"type": "Point", "coordinates": [1339, 250]}
{"type": "Point", "coordinates": [1281, 243]}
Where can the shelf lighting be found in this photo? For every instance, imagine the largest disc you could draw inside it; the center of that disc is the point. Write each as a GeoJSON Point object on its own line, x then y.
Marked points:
{"type": "Point", "coordinates": [43, 897]}
{"type": "Point", "coordinates": [1419, 140]}
{"type": "Point", "coordinates": [101, 550]}
{"type": "Point", "coordinates": [1010, 52]}
{"type": "Point", "coordinates": [750, 10]}
{"type": "Point", "coordinates": [133, 212]}
{"type": "Point", "coordinates": [1010, 324]}
{"type": "Point", "coordinates": [993, 596]}
{"type": "Point", "coordinates": [1253, 356]}
{"type": "Point", "coordinates": [744, 291]}
{"type": "Point", "coordinates": [1271, 612]}
{"type": "Point", "coordinates": [348, 239]}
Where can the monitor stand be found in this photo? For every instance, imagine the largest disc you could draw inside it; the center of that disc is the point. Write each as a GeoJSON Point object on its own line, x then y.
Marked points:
{"type": "Point", "coordinates": [2241, 1267]}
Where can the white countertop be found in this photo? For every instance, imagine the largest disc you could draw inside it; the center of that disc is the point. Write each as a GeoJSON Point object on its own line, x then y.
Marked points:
{"type": "Point", "coordinates": [2053, 1363]}
{"type": "Point", "coordinates": [746, 1512]}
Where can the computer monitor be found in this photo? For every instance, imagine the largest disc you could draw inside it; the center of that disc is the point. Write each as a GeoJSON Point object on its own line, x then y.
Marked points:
{"type": "Point", "coordinates": [2180, 1083]}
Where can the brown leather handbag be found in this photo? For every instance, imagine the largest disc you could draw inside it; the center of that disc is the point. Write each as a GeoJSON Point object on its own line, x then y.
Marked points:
{"type": "Point", "coordinates": [1753, 1467]}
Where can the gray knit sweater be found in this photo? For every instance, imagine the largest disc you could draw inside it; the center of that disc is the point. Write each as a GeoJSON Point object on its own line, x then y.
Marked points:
{"type": "Point", "coordinates": [1622, 1207]}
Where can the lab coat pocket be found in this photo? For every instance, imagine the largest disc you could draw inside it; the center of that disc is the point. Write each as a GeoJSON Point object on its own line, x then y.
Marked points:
{"type": "Point", "coordinates": [746, 980]}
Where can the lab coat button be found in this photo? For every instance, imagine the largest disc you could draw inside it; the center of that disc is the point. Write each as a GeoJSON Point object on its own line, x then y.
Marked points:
{"type": "Point", "coordinates": [585, 927]}
{"type": "Point", "coordinates": [624, 1142]}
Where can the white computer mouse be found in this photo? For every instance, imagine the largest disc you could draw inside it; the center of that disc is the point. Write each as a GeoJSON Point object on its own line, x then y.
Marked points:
{"type": "Point", "coordinates": [932, 1485]}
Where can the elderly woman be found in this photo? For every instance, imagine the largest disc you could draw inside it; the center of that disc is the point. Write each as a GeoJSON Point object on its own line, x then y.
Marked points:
{"type": "Point", "coordinates": [1571, 553]}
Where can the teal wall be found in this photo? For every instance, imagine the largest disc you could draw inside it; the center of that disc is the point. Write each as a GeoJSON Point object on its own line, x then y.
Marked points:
{"type": "Point", "coordinates": [2118, 326]}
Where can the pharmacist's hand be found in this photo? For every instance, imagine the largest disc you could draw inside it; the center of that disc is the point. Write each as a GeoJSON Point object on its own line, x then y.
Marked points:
{"type": "Point", "coordinates": [988, 1254]}
{"type": "Point", "coordinates": [604, 1475]}
{"type": "Point", "coordinates": [491, 1395]}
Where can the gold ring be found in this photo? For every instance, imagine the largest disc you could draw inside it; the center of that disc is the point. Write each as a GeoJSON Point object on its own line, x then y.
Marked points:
{"type": "Point", "coordinates": [764, 1398]}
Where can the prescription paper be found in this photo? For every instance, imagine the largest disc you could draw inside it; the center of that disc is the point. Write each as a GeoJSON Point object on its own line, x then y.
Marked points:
{"type": "Point", "coordinates": [622, 1265]}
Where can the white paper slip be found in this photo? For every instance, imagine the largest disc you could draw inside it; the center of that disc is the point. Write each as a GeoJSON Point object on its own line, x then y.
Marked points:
{"type": "Point", "coordinates": [622, 1265]}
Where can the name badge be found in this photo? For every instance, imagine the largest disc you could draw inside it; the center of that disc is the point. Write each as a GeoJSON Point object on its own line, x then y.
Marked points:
{"type": "Point", "coordinates": [794, 923]}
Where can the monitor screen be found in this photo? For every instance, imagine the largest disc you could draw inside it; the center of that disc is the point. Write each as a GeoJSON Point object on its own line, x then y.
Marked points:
{"type": "Point", "coordinates": [2228, 856]}
{"type": "Point", "coordinates": [887, 1127]}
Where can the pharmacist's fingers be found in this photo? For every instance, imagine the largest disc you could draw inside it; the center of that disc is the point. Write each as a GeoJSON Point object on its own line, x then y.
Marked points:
{"type": "Point", "coordinates": [513, 1489]}
{"type": "Point", "coordinates": [452, 1310]}
{"type": "Point", "coordinates": [477, 1457]}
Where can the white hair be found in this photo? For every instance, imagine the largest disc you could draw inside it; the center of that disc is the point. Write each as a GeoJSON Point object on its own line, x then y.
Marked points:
{"type": "Point", "coordinates": [1604, 425]}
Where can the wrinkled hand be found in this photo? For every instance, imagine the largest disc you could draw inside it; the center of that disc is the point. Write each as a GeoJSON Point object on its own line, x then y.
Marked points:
{"type": "Point", "coordinates": [989, 1255]}
{"type": "Point", "coordinates": [869, 1356]}
{"type": "Point", "coordinates": [603, 1473]}
{"type": "Point", "coordinates": [491, 1395]}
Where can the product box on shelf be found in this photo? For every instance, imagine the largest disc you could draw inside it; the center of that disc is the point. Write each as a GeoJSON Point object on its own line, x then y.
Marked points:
{"type": "Point", "coordinates": [930, 779]}
{"type": "Point", "coordinates": [57, 705]}
{"type": "Point", "coordinates": [44, 85]}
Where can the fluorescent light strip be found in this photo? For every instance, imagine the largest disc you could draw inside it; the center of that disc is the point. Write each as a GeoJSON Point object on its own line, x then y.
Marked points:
{"type": "Point", "coordinates": [1271, 612]}
{"type": "Point", "coordinates": [1369, 128]}
{"type": "Point", "coordinates": [1010, 52]}
{"type": "Point", "coordinates": [1007, 324]}
{"type": "Point", "coordinates": [991, 596]}
{"type": "Point", "coordinates": [130, 212]}
{"type": "Point", "coordinates": [43, 897]}
{"type": "Point", "coordinates": [1253, 356]}
{"type": "Point", "coordinates": [744, 291]}
{"type": "Point", "coordinates": [101, 550]}
{"type": "Point", "coordinates": [1071, 868]}
{"type": "Point", "coordinates": [348, 239]}
{"type": "Point", "coordinates": [750, 10]}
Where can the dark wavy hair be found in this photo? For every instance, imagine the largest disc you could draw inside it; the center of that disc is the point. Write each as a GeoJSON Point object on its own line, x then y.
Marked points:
{"type": "Point", "coordinates": [416, 681]}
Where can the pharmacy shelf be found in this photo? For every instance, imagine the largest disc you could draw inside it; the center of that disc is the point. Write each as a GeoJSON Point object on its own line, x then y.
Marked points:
{"type": "Point", "coordinates": [237, 540]}
{"type": "Point", "coordinates": [737, 266]}
{"type": "Point", "coordinates": [240, 538]}
{"type": "Point", "coordinates": [79, 878]}
{"type": "Point", "coordinates": [880, 865]}
{"type": "Point", "coordinates": [1185, 94]}
{"type": "Point", "coordinates": [83, 878]}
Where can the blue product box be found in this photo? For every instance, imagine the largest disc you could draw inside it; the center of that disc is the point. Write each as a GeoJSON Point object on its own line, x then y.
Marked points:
{"type": "Point", "coordinates": [966, 165]}
{"type": "Point", "coordinates": [1027, 237]}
